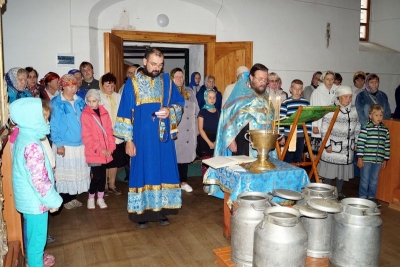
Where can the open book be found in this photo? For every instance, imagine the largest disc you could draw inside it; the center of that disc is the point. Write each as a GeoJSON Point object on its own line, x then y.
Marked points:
{"type": "Point", "coordinates": [221, 161]}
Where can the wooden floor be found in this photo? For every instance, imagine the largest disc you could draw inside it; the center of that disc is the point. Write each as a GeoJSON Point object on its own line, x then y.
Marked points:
{"type": "Point", "coordinates": [108, 238]}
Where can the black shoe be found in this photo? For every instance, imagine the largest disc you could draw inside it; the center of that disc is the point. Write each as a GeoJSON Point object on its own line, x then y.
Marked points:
{"type": "Point", "coordinates": [143, 225]}
{"type": "Point", "coordinates": [341, 197]}
{"type": "Point", "coordinates": [163, 222]}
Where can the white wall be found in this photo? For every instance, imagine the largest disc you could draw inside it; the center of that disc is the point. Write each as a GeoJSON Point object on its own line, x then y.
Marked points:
{"type": "Point", "coordinates": [196, 61]}
{"type": "Point", "coordinates": [288, 35]}
{"type": "Point", "coordinates": [385, 23]}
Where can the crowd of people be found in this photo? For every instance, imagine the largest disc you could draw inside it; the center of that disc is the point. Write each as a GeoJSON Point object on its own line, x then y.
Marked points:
{"type": "Point", "coordinates": [83, 129]}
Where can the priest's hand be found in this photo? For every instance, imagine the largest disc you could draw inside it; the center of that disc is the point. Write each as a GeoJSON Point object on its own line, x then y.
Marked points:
{"type": "Point", "coordinates": [233, 146]}
{"type": "Point", "coordinates": [165, 113]}
{"type": "Point", "coordinates": [130, 149]}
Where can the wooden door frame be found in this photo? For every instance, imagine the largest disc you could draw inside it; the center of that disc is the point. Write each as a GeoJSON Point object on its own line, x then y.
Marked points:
{"type": "Point", "coordinates": [162, 37]}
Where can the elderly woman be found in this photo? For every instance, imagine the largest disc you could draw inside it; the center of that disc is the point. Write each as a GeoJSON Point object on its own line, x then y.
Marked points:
{"type": "Point", "coordinates": [186, 142]}
{"type": "Point", "coordinates": [72, 171]}
{"type": "Point", "coordinates": [16, 79]}
{"type": "Point", "coordinates": [51, 86]}
{"type": "Point", "coordinates": [371, 95]}
{"type": "Point", "coordinates": [110, 100]}
{"type": "Point", "coordinates": [337, 158]}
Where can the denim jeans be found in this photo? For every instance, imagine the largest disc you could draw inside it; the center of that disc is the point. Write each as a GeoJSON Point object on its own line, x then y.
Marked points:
{"type": "Point", "coordinates": [369, 179]}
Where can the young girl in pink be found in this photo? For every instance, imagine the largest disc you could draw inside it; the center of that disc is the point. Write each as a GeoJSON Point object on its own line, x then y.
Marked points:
{"type": "Point", "coordinates": [97, 136]}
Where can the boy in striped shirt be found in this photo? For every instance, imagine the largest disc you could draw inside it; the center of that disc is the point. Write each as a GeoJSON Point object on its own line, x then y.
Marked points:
{"type": "Point", "coordinates": [373, 151]}
{"type": "Point", "coordinates": [288, 107]}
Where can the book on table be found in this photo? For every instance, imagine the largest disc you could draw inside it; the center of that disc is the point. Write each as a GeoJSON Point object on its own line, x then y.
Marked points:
{"type": "Point", "coordinates": [226, 161]}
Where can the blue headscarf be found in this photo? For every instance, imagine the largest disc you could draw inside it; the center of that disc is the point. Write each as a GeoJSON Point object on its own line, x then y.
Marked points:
{"type": "Point", "coordinates": [206, 105]}
{"type": "Point", "coordinates": [12, 86]}
{"type": "Point", "coordinates": [192, 81]}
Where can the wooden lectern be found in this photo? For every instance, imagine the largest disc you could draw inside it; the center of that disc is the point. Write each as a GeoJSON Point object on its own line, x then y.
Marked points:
{"type": "Point", "coordinates": [300, 117]}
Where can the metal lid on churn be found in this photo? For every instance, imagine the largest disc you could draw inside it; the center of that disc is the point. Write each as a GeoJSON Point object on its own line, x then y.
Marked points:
{"type": "Point", "coordinates": [287, 194]}
{"type": "Point", "coordinates": [326, 205]}
{"type": "Point", "coordinates": [307, 211]}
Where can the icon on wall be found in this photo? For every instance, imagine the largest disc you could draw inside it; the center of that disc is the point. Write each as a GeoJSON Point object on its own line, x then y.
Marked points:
{"type": "Point", "coordinates": [66, 60]}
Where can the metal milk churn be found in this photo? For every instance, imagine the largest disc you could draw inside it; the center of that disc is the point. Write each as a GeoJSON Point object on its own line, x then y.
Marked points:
{"type": "Point", "coordinates": [317, 190]}
{"type": "Point", "coordinates": [317, 217]}
{"type": "Point", "coordinates": [243, 221]}
{"type": "Point", "coordinates": [356, 234]}
{"type": "Point", "coordinates": [280, 239]}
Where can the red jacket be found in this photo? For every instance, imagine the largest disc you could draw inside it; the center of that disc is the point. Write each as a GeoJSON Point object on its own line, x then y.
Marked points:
{"type": "Point", "coordinates": [93, 137]}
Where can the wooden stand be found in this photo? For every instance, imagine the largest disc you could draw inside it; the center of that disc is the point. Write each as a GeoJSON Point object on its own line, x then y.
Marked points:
{"type": "Point", "coordinates": [389, 178]}
{"type": "Point", "coordinates": [14, 257]}
{"type": "Point", "coordinates": [223, 259]}
{"type": "Point", "coordinates": [299, 119]}
{"type": "Point", "coordinates": [11, 216]}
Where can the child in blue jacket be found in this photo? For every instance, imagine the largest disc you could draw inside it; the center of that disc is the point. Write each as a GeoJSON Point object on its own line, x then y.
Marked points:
{"type": "Point", "coordinates": [32, 177]}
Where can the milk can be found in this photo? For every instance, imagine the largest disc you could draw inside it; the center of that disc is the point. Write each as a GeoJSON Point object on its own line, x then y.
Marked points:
{"type": "Point", "coordinates": [317, 220]}
{"type": "Point", "coordinates": [356, 234]}
{"type": "Point", "coordinates": [317, 190]}
{"type": "Point", "coordinates": [280, 239]}
{"type": "Point", "coordinates": [243, 221]}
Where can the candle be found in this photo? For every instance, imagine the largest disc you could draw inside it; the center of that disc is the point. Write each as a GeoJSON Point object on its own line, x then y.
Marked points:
{"type": "Point", "coordinates": [279, 110]}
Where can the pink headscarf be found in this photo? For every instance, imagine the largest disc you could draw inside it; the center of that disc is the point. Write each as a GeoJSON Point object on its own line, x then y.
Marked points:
{"type": "Point", "coordinates": [67, 80]}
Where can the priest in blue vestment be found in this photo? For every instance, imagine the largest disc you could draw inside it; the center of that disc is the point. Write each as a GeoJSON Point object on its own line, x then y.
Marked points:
{"type": "Point", "coordinates": [147, 119]}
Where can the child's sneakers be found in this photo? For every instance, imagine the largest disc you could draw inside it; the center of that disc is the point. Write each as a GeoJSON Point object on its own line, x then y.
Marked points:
{"type": "Point", "coordinates": [101, 203]}
{"type": "Point", "coordinates": [90, 204]}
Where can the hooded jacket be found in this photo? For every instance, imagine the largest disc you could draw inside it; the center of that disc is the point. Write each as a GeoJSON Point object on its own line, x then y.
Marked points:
{"type": "Point", "coordinates": [32, 175]}
{"type": "Point", "coordinates": [94, 139]}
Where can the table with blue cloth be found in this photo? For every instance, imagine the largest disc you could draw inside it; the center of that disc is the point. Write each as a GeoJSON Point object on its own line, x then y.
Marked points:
{"type": "Point", "coordinates": [229, 184]}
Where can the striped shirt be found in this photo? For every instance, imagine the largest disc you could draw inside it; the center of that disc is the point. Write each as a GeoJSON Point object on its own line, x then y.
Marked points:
{"type": "Point", "coordinates": [290, 106]}
{"type": "Point", "coordinates": [373, 143]}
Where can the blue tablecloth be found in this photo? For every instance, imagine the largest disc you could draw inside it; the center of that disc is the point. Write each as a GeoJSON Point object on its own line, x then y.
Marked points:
{"type": "Point", "coordinates": [285, 176]}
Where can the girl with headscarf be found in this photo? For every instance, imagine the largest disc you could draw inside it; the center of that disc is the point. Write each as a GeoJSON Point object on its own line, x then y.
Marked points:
{"type": "Point", "coordinates": [338, 156]}
{"type": "Point", "coordinates": [16, 79]}
{"type": "Point", "coordinates": [209, 83]}
{"type": "Point", "coordinates": [195, 81]}
{"type": "Point", "coordinates": [371, 95]}
{"type": "Point", "coordinates": [208, 124]}
{"type": "Point", "coordinates": [72, 171]}
{"type": "Point", "coordinates": [97, 135]}
{"type": "Point", "coordinates": [185, 144]}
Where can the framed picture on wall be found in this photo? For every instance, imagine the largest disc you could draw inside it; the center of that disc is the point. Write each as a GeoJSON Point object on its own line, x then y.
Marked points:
{"type": "Point", "coordinates": [66, 60]}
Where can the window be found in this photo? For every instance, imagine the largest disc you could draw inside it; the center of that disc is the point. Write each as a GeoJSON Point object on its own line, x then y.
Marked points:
{"type": "Point", "coordinates": [364, 20]}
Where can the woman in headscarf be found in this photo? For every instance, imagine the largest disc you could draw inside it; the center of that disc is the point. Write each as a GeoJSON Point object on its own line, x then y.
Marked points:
{"type": "Point", "coordinates": [371, 95]}
{"type": "Point", "coordinates": [186, 142]}
{"type": "Point", "coordinates": [72, 171]}
{"type": "Point", "coordinates": [51, 86]}
{"type": "Point", "coordinates": [110, 100]}
{"type": "Point", "coordinates": [195, 81]}
{"type": "Point", "coordinates": [324, 95]}
{"type": "Point", "coordinates": [16, 79]}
